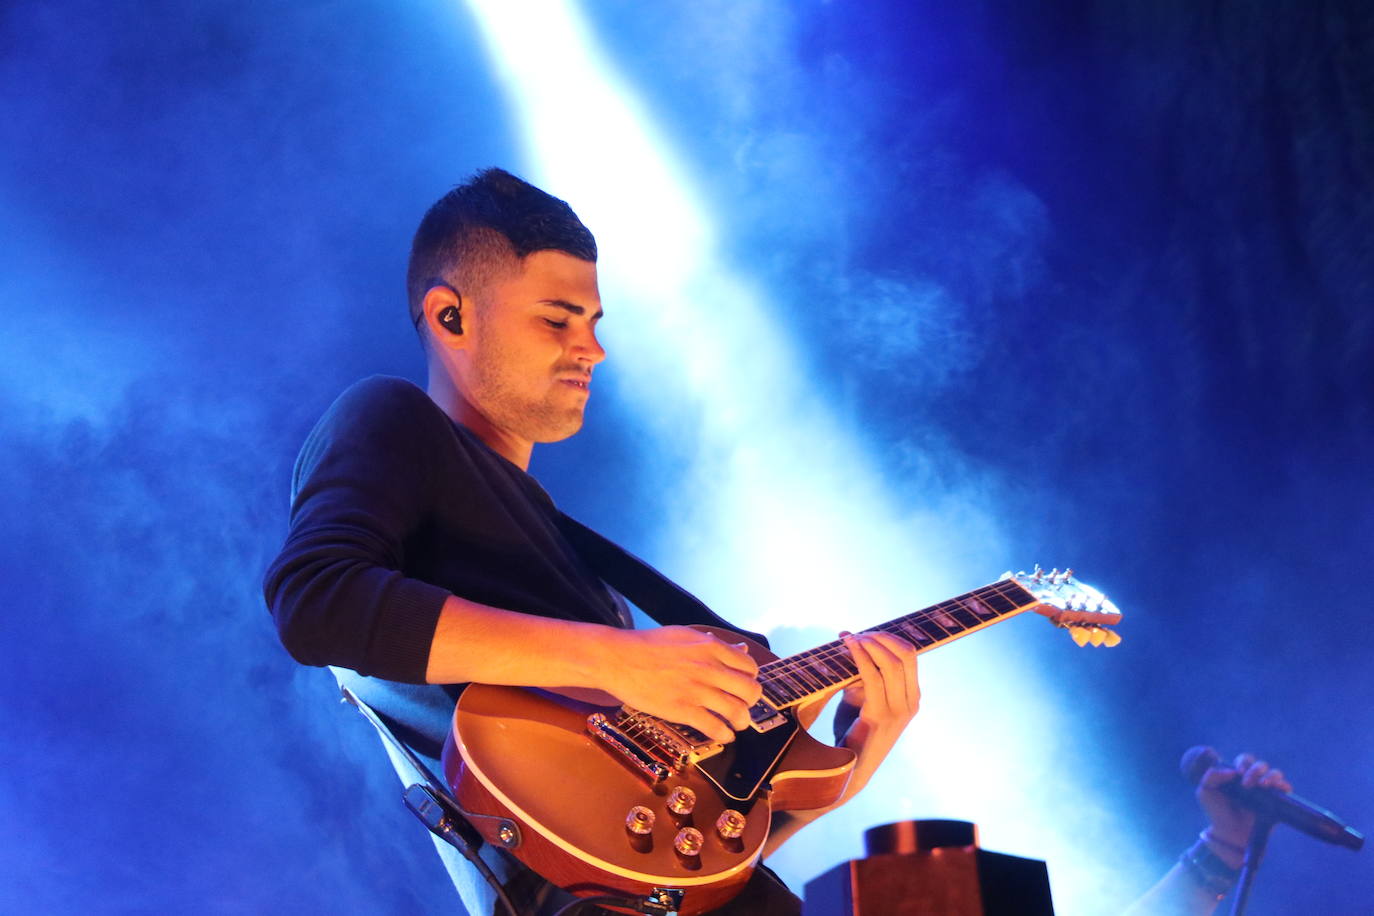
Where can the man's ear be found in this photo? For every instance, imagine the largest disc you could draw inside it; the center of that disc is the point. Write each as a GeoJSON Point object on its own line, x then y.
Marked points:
{"type": "Point", "coordinates": [443, 314]}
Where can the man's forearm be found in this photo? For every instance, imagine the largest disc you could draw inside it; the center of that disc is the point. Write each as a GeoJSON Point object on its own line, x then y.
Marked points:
{"type": "Point", "coordinates": [676, 673]}
{"type": "Point", "coordinates": [1176, 894]}
{"type": "Point", "coordinates": [487, 645]}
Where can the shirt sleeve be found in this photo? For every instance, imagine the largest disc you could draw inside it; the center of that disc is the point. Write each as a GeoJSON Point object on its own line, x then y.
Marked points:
{"type": "Point", "coordinates": [363, 485]}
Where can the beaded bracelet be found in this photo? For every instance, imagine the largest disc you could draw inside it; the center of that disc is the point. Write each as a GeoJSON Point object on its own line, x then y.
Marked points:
{"type": "Point", "coordinates": [1208, 870]}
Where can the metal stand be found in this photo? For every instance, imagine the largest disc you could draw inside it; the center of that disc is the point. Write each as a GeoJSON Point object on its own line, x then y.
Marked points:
{"type": "Point", "coordinates": [1254, 852]}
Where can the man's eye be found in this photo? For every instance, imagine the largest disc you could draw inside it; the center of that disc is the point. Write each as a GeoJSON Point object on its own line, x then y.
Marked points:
{"type": "Point", "coordinates": [555, 324]}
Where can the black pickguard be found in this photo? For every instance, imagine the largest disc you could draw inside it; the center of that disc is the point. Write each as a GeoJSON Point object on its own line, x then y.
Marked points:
{"type": "Point", "coordinates": [742, 768]}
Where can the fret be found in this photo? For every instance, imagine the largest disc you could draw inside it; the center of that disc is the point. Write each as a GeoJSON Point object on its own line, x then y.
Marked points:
{"type": "Point", "coordinates": [839, 659]}
{"type": "Point", "coordinates": [940, 614]}
{"type": "Point", "coordinates": [809, 679]}
{"type": "Point", "coordinates": [966, 619]}
{"type": "Point", "coordinates": [913, 634]}
{"type": "Point", "coordinates": [828, 665]}
{"type": "Point", "coordinates": [1007, 596]}
{"type": "Point", "coordinates": [772, 694]}
{"type": "Point", "coordinates": [798, 673]}
{"type": "Point", "coordinates": [977, 606]}
{"type": "Point", "coordinates": [931, 628]}
{"type": "Point", "coordinates": [820, 671]}
{"type": "Point", "coordinates": [788, 685]}
{"type": "Point", "coordinates": [787, 692]}
{"type": "Point", "coordinates": [926, 631]}
{"type": "Point", "coordinates": [831, 674]}
{"type": "Point", "coordinates": [845, 662]}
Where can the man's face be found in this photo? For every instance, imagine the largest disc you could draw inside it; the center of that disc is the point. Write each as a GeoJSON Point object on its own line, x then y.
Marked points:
{"type": "Point", "coordinates": [532, 347]}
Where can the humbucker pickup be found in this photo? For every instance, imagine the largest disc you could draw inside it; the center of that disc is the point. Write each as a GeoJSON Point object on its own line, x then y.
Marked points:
{"type": "Point", "coordinates": [765, 717]}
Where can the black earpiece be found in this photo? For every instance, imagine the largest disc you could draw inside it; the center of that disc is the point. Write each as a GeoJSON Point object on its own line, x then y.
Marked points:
{"type": "Point", "coordinates": [452, 319]}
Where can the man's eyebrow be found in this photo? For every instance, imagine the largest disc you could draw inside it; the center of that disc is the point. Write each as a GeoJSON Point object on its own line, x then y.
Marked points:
{"type": "Point", "coordinates": [571, 307]}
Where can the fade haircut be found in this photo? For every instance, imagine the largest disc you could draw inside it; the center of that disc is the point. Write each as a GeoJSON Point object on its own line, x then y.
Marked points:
{"type": "Point", "coordinates": [485, 227]}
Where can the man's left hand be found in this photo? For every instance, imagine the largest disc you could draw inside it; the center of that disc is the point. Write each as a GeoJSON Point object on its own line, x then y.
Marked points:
{"type": "Point", "coordinates": [872, 716]}
{"type": "Point", "coordinates": [877, 708]}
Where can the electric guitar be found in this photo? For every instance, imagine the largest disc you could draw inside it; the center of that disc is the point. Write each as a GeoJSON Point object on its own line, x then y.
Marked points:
{"type": "Point", "coordinates": [609, 800]}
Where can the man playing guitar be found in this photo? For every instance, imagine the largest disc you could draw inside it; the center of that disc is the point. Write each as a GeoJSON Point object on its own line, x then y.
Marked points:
{"type": "Point", "coordinates": [422, 557]}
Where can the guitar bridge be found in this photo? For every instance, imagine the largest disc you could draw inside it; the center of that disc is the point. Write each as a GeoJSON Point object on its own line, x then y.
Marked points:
{"type": "Point", "coordinates": [637, 757]}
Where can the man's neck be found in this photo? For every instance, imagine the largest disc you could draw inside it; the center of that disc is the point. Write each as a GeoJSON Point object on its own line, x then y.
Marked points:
{"type": "Point", "coordinates": [443, 392]}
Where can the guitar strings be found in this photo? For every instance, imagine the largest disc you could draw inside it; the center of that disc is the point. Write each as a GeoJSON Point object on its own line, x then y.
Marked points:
{"type": "Point", "coordinates": [798, 675]}
{"type": "Point", "coordinates": [931, 615]}
{"type": "Point", "coordinates": [799, 671]}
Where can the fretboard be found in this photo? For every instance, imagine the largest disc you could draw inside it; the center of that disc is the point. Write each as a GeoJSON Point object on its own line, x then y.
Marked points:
{"type": "Point", "coordinates": [788, 681]}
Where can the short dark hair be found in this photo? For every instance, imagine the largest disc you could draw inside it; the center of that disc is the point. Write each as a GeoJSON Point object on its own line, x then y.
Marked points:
{"type": "Point", "coordinates": [477, 229]}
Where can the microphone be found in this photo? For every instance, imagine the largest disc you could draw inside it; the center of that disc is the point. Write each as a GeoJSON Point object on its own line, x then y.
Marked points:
{"type": "Point", "coordinates": [1271, 804]}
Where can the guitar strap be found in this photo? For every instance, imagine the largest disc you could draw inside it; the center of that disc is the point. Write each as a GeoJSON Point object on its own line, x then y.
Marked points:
{"type": "Point", "coordinates": [655, 594]}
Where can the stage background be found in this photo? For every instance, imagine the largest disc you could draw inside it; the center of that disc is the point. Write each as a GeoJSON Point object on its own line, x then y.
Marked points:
{"type": "Point", "coordinates": [1085, 283]}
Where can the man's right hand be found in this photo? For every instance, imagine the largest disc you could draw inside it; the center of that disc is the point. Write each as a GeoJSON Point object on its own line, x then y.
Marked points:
{"type": "Point", "coordinates": [1230, 827]}
{"type": "Point", "coordinates": [675, 673]}
{"type": "Point", "coordinates": [683, 675]}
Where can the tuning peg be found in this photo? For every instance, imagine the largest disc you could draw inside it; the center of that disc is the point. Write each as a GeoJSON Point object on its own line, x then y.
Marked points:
{"type": "Point", "coordinates": [1037, 573]}
{"type": "Point", "coordinates": [1113, 638]}
{"type": "Point", "coordinates": [1068, 574]}
{"type": "Point", "coordinates": [1079, 634]}
{"type": "Point", "coordinates": [1097, 635]}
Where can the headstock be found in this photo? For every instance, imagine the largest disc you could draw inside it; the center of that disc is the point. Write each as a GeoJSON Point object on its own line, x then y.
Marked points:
{"type": "Point", "coordinates": [1077, 607]}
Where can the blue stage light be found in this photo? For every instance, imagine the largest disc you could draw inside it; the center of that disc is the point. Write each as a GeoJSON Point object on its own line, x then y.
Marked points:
{"type": "Point", "coordinates": [785, 520]}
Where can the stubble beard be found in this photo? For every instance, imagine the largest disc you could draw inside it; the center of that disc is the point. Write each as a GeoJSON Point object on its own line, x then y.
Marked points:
{"type": "Point", "coordinates": [503, 397]}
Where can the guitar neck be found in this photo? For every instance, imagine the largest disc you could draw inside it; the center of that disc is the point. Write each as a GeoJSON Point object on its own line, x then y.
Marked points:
{"type": "Point", "coordinates": [790, 681]}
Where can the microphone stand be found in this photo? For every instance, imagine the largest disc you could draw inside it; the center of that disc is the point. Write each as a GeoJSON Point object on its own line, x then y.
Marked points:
{"type": "Point", "coordinates": [1254, 852]}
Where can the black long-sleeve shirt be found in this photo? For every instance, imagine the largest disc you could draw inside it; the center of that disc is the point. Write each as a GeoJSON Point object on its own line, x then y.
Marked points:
{"type": "Point", "coordinates": [394, 507]}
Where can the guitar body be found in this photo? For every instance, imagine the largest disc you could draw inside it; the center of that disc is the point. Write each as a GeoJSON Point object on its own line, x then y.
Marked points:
{"type": "Point", "coordinates": [527, 755]}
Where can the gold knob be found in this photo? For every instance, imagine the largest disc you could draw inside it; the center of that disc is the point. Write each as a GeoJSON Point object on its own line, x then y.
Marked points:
{"type": "Point", "coordinates": [640, 821]}
{"type": "Point", "coordinates": [730, 824]}
{"type": "Point", "coordinates": [682, 800]}
{"type": "Point", "coordinates": [688, 841]}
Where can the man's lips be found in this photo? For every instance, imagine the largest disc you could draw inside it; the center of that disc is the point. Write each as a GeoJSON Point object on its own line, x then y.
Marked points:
{"type": "Point", "coordinates": [580, 382]}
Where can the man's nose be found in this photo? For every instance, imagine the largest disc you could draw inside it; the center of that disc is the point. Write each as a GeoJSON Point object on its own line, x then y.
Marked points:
{"type": "Point", "coordinates": [588, 349]}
